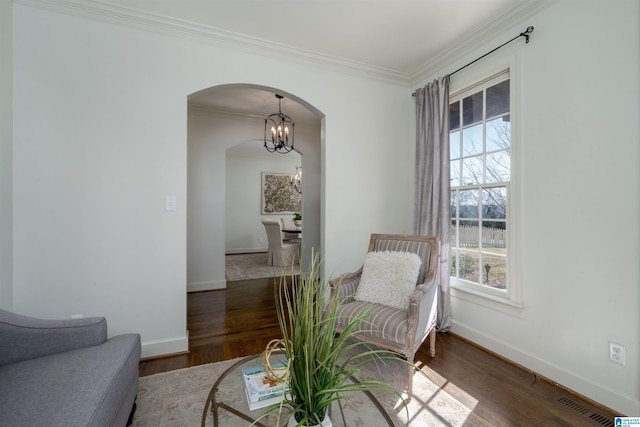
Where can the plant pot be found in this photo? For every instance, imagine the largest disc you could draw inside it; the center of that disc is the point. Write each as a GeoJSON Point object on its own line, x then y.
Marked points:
{"type": "Point", "coordinates": [297, 222]}
{"type": "Point", "coordinates": [325, 423]}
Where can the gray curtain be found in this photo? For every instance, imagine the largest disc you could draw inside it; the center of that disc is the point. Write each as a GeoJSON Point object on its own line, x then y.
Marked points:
{"type": "Point", "coordinates": [433, 186]}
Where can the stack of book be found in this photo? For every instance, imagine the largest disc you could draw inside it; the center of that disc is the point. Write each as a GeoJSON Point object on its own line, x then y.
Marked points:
{"type": "Point", "coordinates": [262, 391]}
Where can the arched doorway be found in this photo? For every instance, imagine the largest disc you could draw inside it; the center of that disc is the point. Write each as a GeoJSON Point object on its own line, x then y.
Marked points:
{"type": "Point", "coordinates": [219, 118]}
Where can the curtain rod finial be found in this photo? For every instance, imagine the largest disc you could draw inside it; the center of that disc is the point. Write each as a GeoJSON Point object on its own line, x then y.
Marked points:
{"type": "Point", "coordinates": [527, 33]}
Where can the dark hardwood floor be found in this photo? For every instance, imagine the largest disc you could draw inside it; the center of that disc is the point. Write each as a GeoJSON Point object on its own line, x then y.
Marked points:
{"type": "Point", "coordinates": [241, 320]}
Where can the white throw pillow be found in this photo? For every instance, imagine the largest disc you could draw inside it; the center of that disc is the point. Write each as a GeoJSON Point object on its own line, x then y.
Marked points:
{"type": "Point", "coordinates": [389, 278]}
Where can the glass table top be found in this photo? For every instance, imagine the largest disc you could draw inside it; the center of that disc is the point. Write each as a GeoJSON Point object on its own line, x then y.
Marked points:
{"type": "Point", "coordinates": [227, 404]}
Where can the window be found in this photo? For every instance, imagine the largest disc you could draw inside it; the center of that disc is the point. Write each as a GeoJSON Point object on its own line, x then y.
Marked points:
{"type": "Point", "coordinates": [481, 170]}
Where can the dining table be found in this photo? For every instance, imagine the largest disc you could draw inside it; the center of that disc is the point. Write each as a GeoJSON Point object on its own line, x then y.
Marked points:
{"type": "Point", "coordinates": [293, 230]}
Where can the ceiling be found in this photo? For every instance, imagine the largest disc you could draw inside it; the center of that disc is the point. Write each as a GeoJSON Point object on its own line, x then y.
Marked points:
{"type": "Point", "coordinates": [398, 35]}
{"type": "Point", "coordinates": [391, 36]}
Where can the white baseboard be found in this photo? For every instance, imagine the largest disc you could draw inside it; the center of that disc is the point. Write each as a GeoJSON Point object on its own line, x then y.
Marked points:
{"type": "Point", "coordinates": [206, 286]}
{"type": "Point", "coordinates": [569, 380]}
{"type": "Point", "coordinates": [164, 347]}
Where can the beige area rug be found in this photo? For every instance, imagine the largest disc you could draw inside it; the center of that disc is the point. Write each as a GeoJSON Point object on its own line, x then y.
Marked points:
{"type": "Point", "coordinates": [252, 266]}
{"type": "Point", "coordinates": [177, 398]}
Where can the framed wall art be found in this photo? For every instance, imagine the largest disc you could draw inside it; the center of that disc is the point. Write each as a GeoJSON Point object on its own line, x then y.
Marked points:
{"type": "Point", "coordinates": [278, 195]}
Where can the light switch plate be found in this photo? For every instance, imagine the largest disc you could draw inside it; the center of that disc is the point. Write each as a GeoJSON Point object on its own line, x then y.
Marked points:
{"type": "Point", "coordinates": [170, 203]}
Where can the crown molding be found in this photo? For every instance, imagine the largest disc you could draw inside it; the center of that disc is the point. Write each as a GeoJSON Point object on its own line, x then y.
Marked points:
{"type": "Point", "coordinates": [135, 18]}
{"type": "Point", "coordinates": [205, 110]}
{"type": "Point", "coordinates": [472, 42]}
{"type": "Point", "coordinates": [130, 17]}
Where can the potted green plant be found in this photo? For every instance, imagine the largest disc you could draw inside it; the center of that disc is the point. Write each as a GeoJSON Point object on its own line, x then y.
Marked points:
{"type": "Point", "coordinates": [319, 361]}
{"type": "Point", "coordinates": [297, 219]}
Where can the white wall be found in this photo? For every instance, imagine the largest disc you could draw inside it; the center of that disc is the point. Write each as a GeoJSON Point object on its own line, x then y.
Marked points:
{"type": "Point", "coordinates": [579, 229]}
{"type": "Point", "coordinates": [100, 137]}
{"type": "Point", "coordinates": [244, 230]}
{"type": "Point", "coordinates": [6, 155]}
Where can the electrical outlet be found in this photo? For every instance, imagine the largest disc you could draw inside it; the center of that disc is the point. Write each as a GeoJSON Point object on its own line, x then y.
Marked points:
{"type": "Point", "coordinates": [76, 316]}
{"type": "Point", "coordinates": [617, 353]}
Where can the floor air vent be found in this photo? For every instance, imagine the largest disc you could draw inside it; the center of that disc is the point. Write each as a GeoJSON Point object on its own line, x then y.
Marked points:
{"type": "Point", "coordinates": [602, 420]}
{"type": "Point", "coordinates": [594, 416]}
{"type": "Point", "coordinates": [574, 405]}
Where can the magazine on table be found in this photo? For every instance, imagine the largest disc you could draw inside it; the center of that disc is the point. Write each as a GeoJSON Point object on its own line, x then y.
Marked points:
{"type": "Point", "coordinates": [261, 390]}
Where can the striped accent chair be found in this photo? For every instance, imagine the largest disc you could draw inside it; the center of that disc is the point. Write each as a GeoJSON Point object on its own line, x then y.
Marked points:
{"type": "Point", "coordinates": [401, 331]}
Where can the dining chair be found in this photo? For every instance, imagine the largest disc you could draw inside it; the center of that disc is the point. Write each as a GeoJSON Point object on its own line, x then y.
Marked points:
{"type": "Point", "coordinates": [280, 253]}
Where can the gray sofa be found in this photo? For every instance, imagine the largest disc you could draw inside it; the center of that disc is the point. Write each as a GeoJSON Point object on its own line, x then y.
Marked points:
{"type": "Point", "coordinates": [65, 373]}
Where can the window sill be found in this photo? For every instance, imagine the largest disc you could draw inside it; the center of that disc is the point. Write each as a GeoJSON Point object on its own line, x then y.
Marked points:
{"type": "Point", "coordinates": [500, 303]}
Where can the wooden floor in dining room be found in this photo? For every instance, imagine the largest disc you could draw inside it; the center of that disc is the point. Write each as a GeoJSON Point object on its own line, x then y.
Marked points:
{"type": "Point", "coordinates": [241, 320]}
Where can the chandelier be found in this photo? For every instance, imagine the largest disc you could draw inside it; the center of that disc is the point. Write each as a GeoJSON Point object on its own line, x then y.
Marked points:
{"type": "Point", "coordinates": [296, 180]}
{"type": "Point", "coordinates": [280, 137]}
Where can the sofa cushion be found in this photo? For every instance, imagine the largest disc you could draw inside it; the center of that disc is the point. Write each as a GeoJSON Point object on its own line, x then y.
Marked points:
{"type": "Point", "coordinates": [389, 278]}
{"type": "Point", "coordinates": [94, 386]}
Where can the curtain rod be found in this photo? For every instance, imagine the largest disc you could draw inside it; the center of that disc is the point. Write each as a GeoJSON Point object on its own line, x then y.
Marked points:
{"type": "Point", "coordinates": [526, 33]}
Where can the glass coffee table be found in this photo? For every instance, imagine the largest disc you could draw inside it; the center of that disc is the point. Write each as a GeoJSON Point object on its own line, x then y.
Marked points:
{"type": "Point", "coordinates": [227, 404]}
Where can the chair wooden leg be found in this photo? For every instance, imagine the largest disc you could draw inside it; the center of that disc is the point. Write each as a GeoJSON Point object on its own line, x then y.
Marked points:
{"type": "Point", "coordinates": [432, 342]}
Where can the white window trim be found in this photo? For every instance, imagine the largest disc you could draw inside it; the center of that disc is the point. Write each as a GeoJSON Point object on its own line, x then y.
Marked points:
{"type": "Point", "coordinates": [473, 294]}
{"type": "Point", "coordinates": [511, 301]}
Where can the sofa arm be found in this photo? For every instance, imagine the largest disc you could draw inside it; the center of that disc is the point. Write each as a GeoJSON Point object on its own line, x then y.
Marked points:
{"type": "Point", "coordinates": [24, 338]}
{"type": "Point", "coordinates": [344, 287]}
{"type": "Point", "coordinates": [423, 311]}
